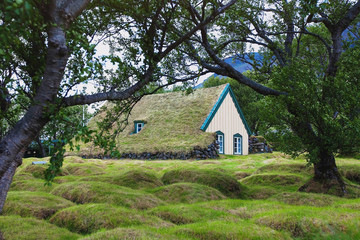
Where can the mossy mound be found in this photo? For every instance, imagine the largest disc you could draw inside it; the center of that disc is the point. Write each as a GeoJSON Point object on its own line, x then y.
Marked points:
{"type": "Point", "coordinates": [23, 176]}
{"type": "Point", "coordinates": [296, 168]}
{"type": "Point", "coordinates": [66, 179]}
{"type": "Point", "coordinates": [226, 184]}
{"type": "Point", "coordinates": [89, 218]}
{"type": "Point", "coordinates": [18, 228]}
{"type": "Point", "coordinates": [274, 180]}
{"type": "Point", "coordinates": [185, 213]}
{"type": "Point", "coordinates": [136, 179]}
{"type": "Point", "coordinates": [36, 204]}
{"type": "Point", "coordinates": [34, 185]}
{"type": "Point", "coordinates": [73, 159]}
{"type": "Point", "coordinates": [313, 223]}
{"type": "Point", "coordinates": [214, 230]}
{"type": "Point", "coordinates": [84, 169]}
{"type": "Point", "coordinates": [310, 199]}
{"type": "Point", "coordinates": [37, 171]}
{"type": "Point", "coordinates": [98, 192]}
{"type": "Point", "coordinates": [131, 233]}
{"type": "Point", "coordinates": [187, 193]}
{"type": "Point", "coordinates": [351, 172]}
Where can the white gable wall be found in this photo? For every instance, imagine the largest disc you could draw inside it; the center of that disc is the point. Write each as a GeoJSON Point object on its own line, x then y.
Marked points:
{"type": "Point", "coordinates": [228, 121]}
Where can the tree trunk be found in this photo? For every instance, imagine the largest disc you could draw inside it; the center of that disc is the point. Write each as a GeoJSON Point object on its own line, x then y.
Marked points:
{"type": "Point", "coordinates": [41, 147]}
{"type": "Point", "coordinates": [327, 178]}
{"type": "Point", "coordinates": [6, 179]}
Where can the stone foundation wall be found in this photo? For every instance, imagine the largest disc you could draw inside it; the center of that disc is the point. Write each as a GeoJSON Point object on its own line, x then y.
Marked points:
{"type": "Point", "coordinates": [196, 153]}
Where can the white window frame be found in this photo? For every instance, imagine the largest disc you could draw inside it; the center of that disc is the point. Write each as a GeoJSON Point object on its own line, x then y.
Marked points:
{"type": "Point", "coordinates": [238, 144]}
{"type": "Point", "coordinates": [221, 143]}
{"type": "Point", "coordinates": [139, 127]}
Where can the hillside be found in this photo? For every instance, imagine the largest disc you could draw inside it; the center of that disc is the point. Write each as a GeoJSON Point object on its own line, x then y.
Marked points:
{"type": "Point", "coordinates": [235, 197]}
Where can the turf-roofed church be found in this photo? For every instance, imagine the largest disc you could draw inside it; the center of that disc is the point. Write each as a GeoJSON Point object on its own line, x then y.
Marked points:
{"type": "Point", "coordinates": [176, 125]}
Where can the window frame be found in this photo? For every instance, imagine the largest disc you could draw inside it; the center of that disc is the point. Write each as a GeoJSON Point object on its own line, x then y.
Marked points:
{"type": "Point", "coordinates": [238, 150]}
{"type": "Point", "coordinates": [219, 133]}
{"type": "Point", "coordinates": [136, 126]}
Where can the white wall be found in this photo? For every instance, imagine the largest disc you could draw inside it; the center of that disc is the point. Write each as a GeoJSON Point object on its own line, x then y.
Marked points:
{"type": "Point", "coordinates": [228, 121]}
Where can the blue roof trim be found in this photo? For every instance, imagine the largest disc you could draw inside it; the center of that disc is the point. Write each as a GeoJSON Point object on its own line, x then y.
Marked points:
{"type": "Point", "coordinates": [218, 104]}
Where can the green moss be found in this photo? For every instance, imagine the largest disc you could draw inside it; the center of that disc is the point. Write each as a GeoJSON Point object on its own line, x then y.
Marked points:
{"type": "Point", "coordinates": [274, 180]}
{"type": "Point", "coordinates": [187, 193]}
{"type": "Point", "coordinates": [132, 233]}
{"type": "Point", "coordinates": [89, 218]}
{"type": "Point", "coordinates": [35, 204]}
{"type": "Point", "coordinates": [186, 213]}
{"type": "Point", "coordinates": [84, 169]}
{"type": "Point", "coordinates": [33, 185]}
{"type": "Point", "coordinates": [18, 228]}
{"type": "Point", "coordinates": [136, 179]}
{"type": "Point", "coordinates": [98, 192]}
{"type": "Point", "coordinates": [216, 230]}
{"type": "Point", "coordinates": [226, 184]}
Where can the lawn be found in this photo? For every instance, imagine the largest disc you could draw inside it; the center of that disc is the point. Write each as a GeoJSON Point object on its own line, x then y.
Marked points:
{"type": "Point", "coordinates": [242, 197]}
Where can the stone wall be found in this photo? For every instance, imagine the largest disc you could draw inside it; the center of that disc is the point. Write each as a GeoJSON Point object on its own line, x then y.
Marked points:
{"type": "Point", "coordinates": [258, 144]}
{"type": "Point", "coordinates": [196, 153]}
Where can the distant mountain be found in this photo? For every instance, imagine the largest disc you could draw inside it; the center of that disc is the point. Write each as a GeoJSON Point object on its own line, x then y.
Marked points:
{"type": "Point", "coordinates": [237, 64]}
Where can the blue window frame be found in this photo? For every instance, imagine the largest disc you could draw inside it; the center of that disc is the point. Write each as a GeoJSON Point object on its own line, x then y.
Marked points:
{"type": "Point", "coordinates": [220, 139]}
{"type": "Point", "coordinates": [238, 144]}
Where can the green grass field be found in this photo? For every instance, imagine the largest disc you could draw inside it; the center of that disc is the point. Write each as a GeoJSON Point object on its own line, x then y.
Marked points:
{"type": "Point", "coordinates": [234, 197]}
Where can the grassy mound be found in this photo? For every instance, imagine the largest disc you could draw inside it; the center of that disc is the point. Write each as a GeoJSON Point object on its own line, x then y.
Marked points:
{"type": "Point", "coordinates": [89, 218]}
{"type": "Point", "coordinates": [131, 233]}
{"type": "Point", "coordinates": [36, 171]}
{"type": "Point", "coordinates": [98, 192]}
{"type": "Point", "coordinates": [351, 172]}
{"type": "Point", "coordinates": [136, 179]}
{"type": "Point", "coordinates": [23, 176]}
{"type": "Point", "coordinates": [187, 193]}
{"type": "Point", "coordinates": [214, 230]}
{"type": "Point", "coordinates": [18, 228]}
{"type": "Point", "coordinates": [296, 168]}
{"type": "Point", "coordinates": [36, 204]}
{"type": "Point", "coordinates": [185, 213]}
{"type": "Point", "coordinates": [226, 184]}
{"type": "Point", "coordinates": [310, 199]}
{"type": "Point", "coordinates": [84, 169]}
{"type": "Point", "coordinates": [313, 223]}
{"type": "Point", "coordinates": [274, 180]}
{"type": "Point", "coordinates": [34, 185]}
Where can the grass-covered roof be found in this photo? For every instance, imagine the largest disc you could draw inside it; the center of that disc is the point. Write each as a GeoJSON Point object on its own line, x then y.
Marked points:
{"type": "Point", "coordinates": [172, 123]}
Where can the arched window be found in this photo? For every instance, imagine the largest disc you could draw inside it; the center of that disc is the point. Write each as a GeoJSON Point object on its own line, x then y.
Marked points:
{"type": "Point", "coordinates": [220, 139]}
{"type": "Point", "coordinates": [238, 144]}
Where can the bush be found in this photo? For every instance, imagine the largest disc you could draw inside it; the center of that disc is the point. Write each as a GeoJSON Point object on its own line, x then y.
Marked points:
{"type": "Point", "coordinates": [226, 184]}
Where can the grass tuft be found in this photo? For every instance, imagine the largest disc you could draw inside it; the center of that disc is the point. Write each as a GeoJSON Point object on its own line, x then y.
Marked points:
{"type": "Point", "coordinates": [187, 193]}
{"type": "Point", "coordinates": [136, 179]}
{"type": "Point", "coordinates": [33, 204]}
{"type": "Point", "coordinates": [98, 192]}
{"type": "Point", "coordinates": [19, 228]}
{"type": "Point", "coordinates": [226, 184]}
{"type": "Point", "coordinates": [90, 218]}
